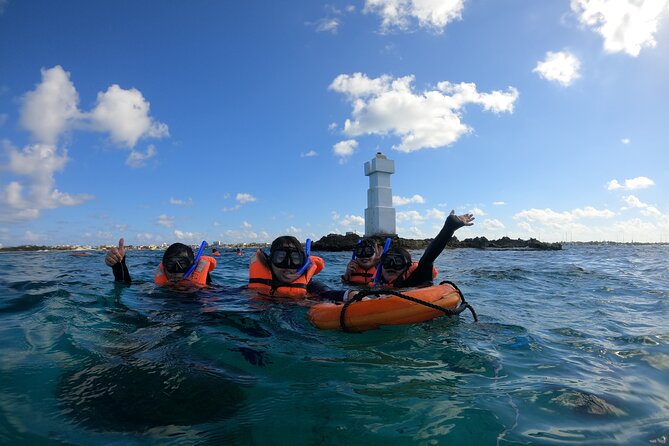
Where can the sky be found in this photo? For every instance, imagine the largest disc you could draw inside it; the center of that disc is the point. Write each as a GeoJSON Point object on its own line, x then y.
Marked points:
{"type": "Point", "coordinates": [242, 121]}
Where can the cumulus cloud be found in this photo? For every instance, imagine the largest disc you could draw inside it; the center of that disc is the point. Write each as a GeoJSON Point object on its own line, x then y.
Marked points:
{"type": "Point", "coordinates": [52, 107]}
{"type": "Point", "coordinates": [625, 141]}
{"type": "Point", "coordinates": [401, 14]}
{"type": "Point", "coordinates": [189, 237]}
{"type": "Point", "coordinates": [626, 25]}
{"type": "Point", "coordinates": [561, 67]}
{"type": "Point", "coordinates": [428, 119]}
{"type": "Point", "coordinates": [125, 115]}
{"type": "Point", "coordinates": [631, 184]}
{"type": "Point", "coordinates": [345, 149]}
{"type": "Point", "coordinates": [412, 216]}
{"type": "Point", "coordinates": [349, 222]}
{"type": "Point", "coordinates": [492, 224]}
{"type": "Point", "coordinates": [401, 201]}
{"type": "Point", "coordinates": [646, 209]}
{"type": "Point", "coordinates": [559, 220]}
{"type": "Point", "coordinates": [498, 203]}
{"type": "Point", "coordinates": [37, 164]}
{"type": "Point", "coordinates": [47, 113]}
{"type": "Point", "coordinates": [242, 198]}
{"type": "Point", "coordinates": [137, 158]}
{"type": "Point", "coordinates": [435, 214]}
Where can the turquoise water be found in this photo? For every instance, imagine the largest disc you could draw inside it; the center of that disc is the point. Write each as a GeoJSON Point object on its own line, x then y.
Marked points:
{"type": "Point", "coordinates": [571, 347]}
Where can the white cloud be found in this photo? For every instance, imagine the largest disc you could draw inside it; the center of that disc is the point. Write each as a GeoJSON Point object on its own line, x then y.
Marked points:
{"type": "Point", "coordinates": [189, 237]}
{"type": "Point", "coordinates": [625, 141]}
{"type": "Point", "coordinates": [49, 111]}
{"type": "Point", "coordinates": [125, 115]}
{"type": "Point", "coordinates": [560, 220]}
{"type": "Point", "coordinates": [244, 198]}
{"type": "Point", "coordinates": [52, 107]}
{"type": "Point", "coordinates": [165, 220]}
{"type": "Point", "coordinates": [401, 201]}
{"type": "Point", "coordinates": [646, 209]}
{"type": "Point", "coordinates": [328, 24]}
{"type": "Point", "coordinates": [309, 154]}
{"type": "Point", "coordinates": [433, 14]}
{"type": "Point", "coordinates": [435, 214]}
{"type": "Point", "coordinates": [23, 200]}
{"type": "Point", "coordinates": [137, 159]}
{"type": "Point", "coordinates": [412, 216]}
{"type": "Point", "coordinates": [428, 119]}
{"type": "Point", "coordinates": [498, 203]}
{"type": "Point", "coordinates": [345, 149]}
{"type": "Point", "coordinates": [477, 212]}
{"type": "Point", "coordinates": [180, 202]}
{"type": "Point", "coordinates": [631, 184]}
{"type": "Point", "coordinates": [492, 224]}
{"type": "Point", "coordinates": [246, 225]}
{"type": "Point", "coordinates": [561, 67]}
{"type": "Point", "coordinates": [626, 25]}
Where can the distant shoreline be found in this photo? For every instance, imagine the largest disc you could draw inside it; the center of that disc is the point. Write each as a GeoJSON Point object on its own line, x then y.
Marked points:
{"type": "Point", "coordinates": [476, 243]}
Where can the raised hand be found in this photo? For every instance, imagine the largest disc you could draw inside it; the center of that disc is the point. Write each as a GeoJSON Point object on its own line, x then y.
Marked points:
{"type": "Point", "coordinates": [115, 255]}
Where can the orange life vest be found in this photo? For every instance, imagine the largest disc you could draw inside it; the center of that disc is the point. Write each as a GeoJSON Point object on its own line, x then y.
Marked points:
{"type": "Point", "coordinates": [361, 276]}
{"type": "Point", "coordinates": [407, 273]}
{"type": "Point", "coordinates": [204, 266]}
{"type": "Point", "coordinates": [262, 280]}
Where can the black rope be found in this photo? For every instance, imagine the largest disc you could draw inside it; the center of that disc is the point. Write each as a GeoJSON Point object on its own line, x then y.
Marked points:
{"type": "Point", "coordinates": [464, 305]}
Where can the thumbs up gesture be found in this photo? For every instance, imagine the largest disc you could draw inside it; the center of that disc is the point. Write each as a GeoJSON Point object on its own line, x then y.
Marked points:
{"type": "Point", "coordinates": [115, 255]}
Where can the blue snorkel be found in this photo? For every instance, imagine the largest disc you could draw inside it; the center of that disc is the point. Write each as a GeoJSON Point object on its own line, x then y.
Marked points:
{"type": "Point", "coordinates": [196, 260]}
{"type": "Point", "coordinates": [307, 262]}
{"type": "Point", "coordinates": [353, 256]}
{"type": "Point", "coordinates": [378, 269]}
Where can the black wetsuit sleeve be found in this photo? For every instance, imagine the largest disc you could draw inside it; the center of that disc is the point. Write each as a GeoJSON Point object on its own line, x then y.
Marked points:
{"type": "Point", "coordinates": [423, 273]}
{"type": "Point", "coordinates": [121, 273]}
{"type": "Point", "coordinates": [320, 291]}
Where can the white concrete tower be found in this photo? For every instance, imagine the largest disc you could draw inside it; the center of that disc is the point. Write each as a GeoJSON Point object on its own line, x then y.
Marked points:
{"type": "Point", "coordinates": [380, 213]}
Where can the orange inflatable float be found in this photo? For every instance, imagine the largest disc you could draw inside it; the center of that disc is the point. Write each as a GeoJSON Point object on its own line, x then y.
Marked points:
{"type": "Point", "coordinates": [390, 308]}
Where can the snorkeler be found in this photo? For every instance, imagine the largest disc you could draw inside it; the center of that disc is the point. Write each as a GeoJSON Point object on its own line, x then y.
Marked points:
{"type": "Point", "coordinates": [214, 252]}
{"type": "Point", "coordinates": [179, 265]}
{"type": "Point", "coordinates": [287, 272]}
{"type": "Point", "coordinates": [397, 270]}
{"type": "Point", "coordinates": [361, 269]}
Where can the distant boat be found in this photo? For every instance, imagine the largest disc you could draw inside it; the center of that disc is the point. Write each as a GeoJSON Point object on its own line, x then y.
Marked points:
{"type": "Point", "coordinates": [79, 254]}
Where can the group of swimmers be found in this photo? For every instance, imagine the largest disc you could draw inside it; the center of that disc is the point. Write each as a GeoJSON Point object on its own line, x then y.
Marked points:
{"type": "Point", "coordinates": [287, 271]}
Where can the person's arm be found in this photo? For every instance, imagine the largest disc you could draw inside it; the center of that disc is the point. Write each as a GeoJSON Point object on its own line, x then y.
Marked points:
{"type": "Point", "coordinates": [115, 258]}
{"type": "Point", "coordinates": [423, 272]}
{"type": "Point", "coordinates": [320, 291]}
{"type": "Point", "coordinates": [121, 273]}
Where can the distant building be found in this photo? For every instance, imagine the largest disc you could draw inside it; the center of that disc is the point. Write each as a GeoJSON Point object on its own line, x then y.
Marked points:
{"type": "Point", "coordinates": [380, 213]}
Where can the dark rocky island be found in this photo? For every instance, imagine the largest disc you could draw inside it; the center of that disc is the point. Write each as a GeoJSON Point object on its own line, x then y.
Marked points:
{"type": "Point", "coordinates": [338, 242]}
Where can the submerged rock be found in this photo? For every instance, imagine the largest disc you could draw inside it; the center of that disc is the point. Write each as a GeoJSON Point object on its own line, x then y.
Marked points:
{"type": "Point", "coordinates": [586, 403]}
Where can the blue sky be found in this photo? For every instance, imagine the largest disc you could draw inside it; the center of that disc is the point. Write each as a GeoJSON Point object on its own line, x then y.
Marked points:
{"type": "Point", "coordinates": [242, 121]}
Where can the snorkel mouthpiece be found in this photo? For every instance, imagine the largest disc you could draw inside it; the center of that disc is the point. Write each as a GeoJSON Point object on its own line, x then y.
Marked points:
{"type": "Point", "coordinates": [196, 260]}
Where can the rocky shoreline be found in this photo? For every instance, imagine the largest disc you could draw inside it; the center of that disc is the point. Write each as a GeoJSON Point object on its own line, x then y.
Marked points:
{"type": "Point", "coordinates": [338, 242]}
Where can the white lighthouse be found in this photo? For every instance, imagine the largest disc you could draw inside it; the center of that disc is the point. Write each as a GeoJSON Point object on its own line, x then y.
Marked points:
{"type": "Point", "coordinates": [380, 213]}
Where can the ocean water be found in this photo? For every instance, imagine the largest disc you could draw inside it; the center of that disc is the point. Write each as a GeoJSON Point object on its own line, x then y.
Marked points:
{"type": "Point", "coordinates": [571, 347]}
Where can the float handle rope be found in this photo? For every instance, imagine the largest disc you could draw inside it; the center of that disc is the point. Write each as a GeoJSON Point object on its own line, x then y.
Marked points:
{"type": "Point", "coordinates": [464, 305]}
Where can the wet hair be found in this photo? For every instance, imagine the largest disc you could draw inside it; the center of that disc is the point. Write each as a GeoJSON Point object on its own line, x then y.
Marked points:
{"type": "Point", "coordinates": [177, 250]}
{"type": "Point", "coordinates": [286, 240]}
{"type": "Point", "coordinates": [372, 241]}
